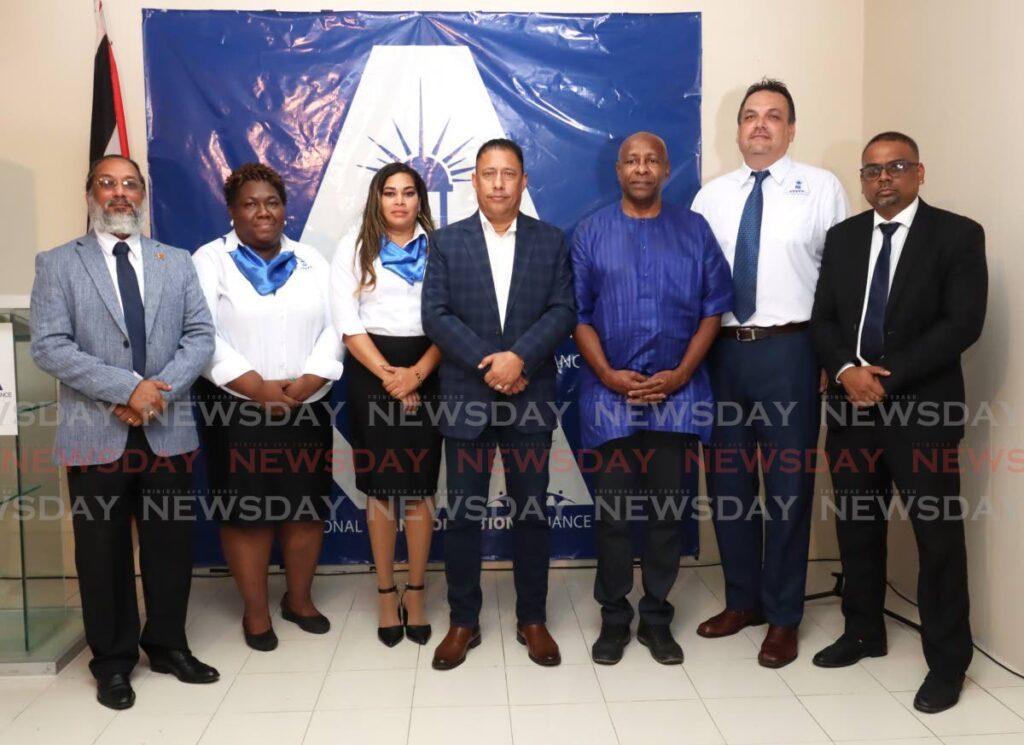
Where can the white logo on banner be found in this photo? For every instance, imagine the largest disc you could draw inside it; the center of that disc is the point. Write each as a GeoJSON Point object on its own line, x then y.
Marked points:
{"type": "Point", "coordinates": [428, 107]}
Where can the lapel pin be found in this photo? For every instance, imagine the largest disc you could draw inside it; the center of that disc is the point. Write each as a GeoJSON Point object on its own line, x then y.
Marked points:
{"type": "Point", "coordinates": [161, 255]}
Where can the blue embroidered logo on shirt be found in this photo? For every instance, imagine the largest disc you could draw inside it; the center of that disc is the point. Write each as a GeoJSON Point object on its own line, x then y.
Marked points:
{"type": "Point", "coordinates": [798, 187]}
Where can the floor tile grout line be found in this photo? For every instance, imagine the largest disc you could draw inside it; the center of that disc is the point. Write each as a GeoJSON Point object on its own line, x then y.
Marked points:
{"type": "Point", "coordinates": [593, 665]}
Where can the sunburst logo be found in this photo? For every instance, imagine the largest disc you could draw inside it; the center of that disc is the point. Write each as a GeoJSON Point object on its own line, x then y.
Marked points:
{"type": "Point", "coordinates": [439, 172]}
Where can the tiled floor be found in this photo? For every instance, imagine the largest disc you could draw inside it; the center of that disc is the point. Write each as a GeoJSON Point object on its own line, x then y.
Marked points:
{"type": "Point", "coordinates": [345, 688]}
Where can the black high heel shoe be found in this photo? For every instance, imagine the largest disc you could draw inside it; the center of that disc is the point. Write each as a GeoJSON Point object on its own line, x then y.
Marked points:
{"type": "Point", "coordinates": [418, 633]}
{"type": "Point", "coordinates": [390, 635]}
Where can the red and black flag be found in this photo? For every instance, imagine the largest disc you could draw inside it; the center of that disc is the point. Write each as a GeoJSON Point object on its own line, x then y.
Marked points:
{"type": "Point", "coordinates": [108, 131]}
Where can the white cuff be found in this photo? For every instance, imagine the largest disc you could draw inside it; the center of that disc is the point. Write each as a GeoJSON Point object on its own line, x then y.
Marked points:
{"type": "Point", "coordinates": [843, 369]}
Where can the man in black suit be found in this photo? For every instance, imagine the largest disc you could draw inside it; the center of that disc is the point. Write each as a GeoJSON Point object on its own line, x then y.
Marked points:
{"type": "Point", "coordinates": [901, 295]}
{"type": "Point", "coordinates": [497, 300]}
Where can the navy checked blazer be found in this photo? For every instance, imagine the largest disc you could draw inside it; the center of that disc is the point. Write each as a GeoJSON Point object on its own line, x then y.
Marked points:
{"type": "Point", "coordinates": [460, 315]}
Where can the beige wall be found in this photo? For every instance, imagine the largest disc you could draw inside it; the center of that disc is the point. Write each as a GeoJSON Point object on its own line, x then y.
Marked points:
{"type": "Point", "coordinates": [948, 73]}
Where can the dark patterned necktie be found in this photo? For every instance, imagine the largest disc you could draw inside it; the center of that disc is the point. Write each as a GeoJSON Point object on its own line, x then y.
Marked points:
{"type": "Point", "coordinates": [131, 304]}
{"type": "Point", "coordinates": [748, 246]}
{"type": "Point", "coordinates": [872, 332]}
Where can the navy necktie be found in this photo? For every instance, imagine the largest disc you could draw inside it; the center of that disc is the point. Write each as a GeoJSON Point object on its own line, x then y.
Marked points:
{"type": "Point", "coordinates": [872, 333]}
{"type": "Point", "coordinates": [131, 304]}
{"type": "Point", "coordinates": [748, 245]}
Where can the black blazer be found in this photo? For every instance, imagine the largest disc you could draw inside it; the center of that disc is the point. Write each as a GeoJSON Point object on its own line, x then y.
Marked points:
{"type": "Point", "coordinates": [936, 310]}
{"type": "Point", "coordinates": [460, 315]}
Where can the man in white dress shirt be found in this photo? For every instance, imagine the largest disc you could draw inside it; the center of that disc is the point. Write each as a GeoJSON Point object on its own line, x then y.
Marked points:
{"type": "Point", "coordinates": [770, 217]}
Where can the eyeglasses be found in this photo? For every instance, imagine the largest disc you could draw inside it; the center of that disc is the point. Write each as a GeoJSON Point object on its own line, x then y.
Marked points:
{"type": "Point", "coordinates": [108, 183]}
{"type": "Point", "coordinates": [872, 171]}
{"type": "Point", "coordinates": [650, 162]}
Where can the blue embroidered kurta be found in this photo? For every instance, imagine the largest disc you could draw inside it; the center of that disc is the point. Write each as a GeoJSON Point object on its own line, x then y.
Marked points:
{"type": "Point", "coordinates": [645, 285]}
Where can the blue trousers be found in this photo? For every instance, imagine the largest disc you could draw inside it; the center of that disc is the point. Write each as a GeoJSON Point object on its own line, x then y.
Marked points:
{"type": "Point", "coordinates": [468, 462]}
{"type": "Point", "coordinates": [767, 427]}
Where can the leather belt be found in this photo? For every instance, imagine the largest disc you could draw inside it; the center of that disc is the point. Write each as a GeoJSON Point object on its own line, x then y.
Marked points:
{"type": "Point", "coordinates": [756, 333]}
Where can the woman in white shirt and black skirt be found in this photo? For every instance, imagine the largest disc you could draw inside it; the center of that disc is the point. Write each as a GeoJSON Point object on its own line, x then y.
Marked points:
{"type": "Point", "coordinates": [265, 414]}
{"type": "Point", "coordinates": [376, 281]}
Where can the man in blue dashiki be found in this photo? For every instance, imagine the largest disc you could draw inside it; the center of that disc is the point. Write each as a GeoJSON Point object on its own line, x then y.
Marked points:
{"type": "Point", "coordinates": [651, 285]}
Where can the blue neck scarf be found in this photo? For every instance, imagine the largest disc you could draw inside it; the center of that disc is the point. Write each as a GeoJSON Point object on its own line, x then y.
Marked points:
{"type": "Point", "coordinates": [266, 277]}
{"type": "Point", "coordinates": [408, 263]}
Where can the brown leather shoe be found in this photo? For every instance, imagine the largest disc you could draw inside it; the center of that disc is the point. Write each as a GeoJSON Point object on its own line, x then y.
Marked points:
{"type": "Point", "coordinates": [539, 645]}
{"type": "Point", "coordinates": [729, 622]}
{"type": "Point", "coordinates": [779, 647]}
{"type": "Point", "coordinates": [451, 652]}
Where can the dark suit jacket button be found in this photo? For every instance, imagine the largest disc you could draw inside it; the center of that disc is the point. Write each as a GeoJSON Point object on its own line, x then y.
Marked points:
{"type": "Point", "coordinates": [126, 345]}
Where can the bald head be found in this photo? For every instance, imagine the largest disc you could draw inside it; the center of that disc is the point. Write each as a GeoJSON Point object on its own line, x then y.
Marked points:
{"type": "Point", "coordinates": [645, 141]}
{"type": "Point", "coordinates": [642, 169]}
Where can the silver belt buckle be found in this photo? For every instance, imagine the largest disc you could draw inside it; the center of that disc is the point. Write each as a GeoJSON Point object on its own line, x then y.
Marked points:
{"type": "Point", "coordinates": [746, 334]}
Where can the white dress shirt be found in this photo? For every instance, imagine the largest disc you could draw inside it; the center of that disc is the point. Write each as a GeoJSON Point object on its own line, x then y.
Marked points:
{"type": "Point", "coordinates": [107, 242]}
{"type": "Point", "coordinates": [282, 335]}
{"type": "Point", "coordinates": [501, 252]}
{"type": "Point", "coordinates": [801, 203]}
{"type": "Point", "coordinates": [899, 237]}
{"type": "Point", "coordinates": [390, 308]}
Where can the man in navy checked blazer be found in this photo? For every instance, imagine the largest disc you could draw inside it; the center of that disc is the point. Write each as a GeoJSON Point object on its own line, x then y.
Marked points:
{"type": "Point", "coordinates": [497, 300]}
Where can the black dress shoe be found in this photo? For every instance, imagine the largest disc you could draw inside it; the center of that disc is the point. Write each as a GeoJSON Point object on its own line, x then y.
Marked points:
{"type": "Point", "coordinates": [318, 624]}
{"type": "Point", "coordinates": [115, 692]}
{"type": "Point", "coordinates": [938, 693]}
{"type": "Point", "coordinates": [419, 633]}
{"type": "Point", "coordinates": [390, 635]}
{"type": "Point", "coordinates": [265, 641]}
{"type": "Point", "coordinates": [610, 645]}
{"type": "Point", "coordinates": [848, 650]}
{"type": "Point", "coordinates": [658, 639]}
{"type": "Point", "coordinates": [182, 665]}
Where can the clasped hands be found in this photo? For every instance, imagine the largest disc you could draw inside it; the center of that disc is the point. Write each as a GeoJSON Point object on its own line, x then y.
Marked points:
{"type": "Point", "coordinates": [863, 385]}
{"type": "Point", "coordinates": [145, 403]}
{"type": "Point", "coordinates": [288, 394]}
{"type": "Point", "coordinates": [402, 383]}
{"type": "Point", "coordinates": [643, 389]}
{"type": "Point", "coordinates": [505, 372]}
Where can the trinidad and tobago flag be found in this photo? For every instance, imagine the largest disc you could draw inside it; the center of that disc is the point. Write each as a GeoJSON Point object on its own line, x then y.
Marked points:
{"type": "Point", "coordinates": [109, 135]}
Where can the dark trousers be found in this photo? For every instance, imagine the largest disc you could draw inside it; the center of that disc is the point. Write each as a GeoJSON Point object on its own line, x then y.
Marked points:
{"type": "Point", "coordinates": [525, 460]}
{"type": "Point", "coordinates": [865, 462]}
{"type": "Point", "coordinates": [648, 476]}
{"type": "Point", "coordinates": [764, 555]}
{"type": "Point", "coordinates": [104, 500]}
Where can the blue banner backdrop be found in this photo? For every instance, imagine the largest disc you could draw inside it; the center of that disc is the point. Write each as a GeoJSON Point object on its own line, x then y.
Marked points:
{"type": "Point", "coordinates": [327, 98]}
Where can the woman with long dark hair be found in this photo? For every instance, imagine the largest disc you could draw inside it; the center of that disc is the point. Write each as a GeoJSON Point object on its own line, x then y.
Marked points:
{"type": "Point", "coordinates": [376, 281]}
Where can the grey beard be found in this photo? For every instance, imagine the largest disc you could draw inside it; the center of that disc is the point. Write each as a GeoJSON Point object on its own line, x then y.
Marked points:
{"type": "Point", "coordinates": [117, 223]}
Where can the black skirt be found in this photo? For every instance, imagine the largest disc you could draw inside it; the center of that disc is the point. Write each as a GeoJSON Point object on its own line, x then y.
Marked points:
{"type": "Point", "coordinates": [395, 454]}
{"type": "Point", "coordinates": [264, 468]}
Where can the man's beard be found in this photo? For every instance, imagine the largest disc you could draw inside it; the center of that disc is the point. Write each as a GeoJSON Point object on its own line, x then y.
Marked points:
{"type": "Point", "coordinates": [118, 223]}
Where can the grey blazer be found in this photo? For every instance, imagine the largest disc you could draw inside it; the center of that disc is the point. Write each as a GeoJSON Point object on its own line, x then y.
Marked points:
{"type": "Point", "coordinates": [79, 337]}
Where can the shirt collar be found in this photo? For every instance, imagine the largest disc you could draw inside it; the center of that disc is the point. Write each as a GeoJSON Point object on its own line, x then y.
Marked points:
{"type": "Point", "coordinates": [488, 228]}
{"type": "Point", "coordinates": [107, 242]}
{"type": "Point", "coordinates": [904, 218]}
{"type": "Point", "coordinates": [778, 170]}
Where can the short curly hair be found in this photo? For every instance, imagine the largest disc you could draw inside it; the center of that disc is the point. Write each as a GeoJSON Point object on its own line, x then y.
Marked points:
{"type": "Point", "coordinates": [252, 172]}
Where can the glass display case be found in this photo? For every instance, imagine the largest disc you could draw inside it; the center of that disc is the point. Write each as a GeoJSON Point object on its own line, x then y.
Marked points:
{"type": "Point", "coordinates": [40, 616]}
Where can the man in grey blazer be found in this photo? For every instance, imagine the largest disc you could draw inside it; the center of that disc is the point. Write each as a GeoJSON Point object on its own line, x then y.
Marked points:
{"type": "Point", "coordinates": [121, 322]}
